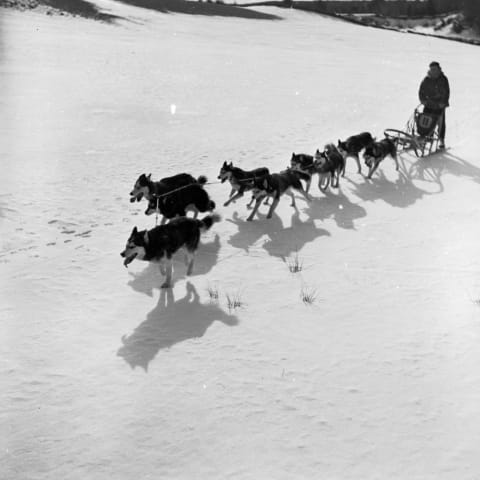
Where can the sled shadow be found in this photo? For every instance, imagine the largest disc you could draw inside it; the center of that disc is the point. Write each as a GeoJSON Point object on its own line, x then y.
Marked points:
{"type": "Point", "coordinates": [336, 206]}
{"type": "Point", "coordinates": [150, 278]}
{"type": "Point", "coordinates": [201, 8]}
{"type": "Point", "coordinates": [279, 241]}
{"type": "Point", "coordinates": [433, 168]}
{"type": "Point", "coordinates": [169, 323]}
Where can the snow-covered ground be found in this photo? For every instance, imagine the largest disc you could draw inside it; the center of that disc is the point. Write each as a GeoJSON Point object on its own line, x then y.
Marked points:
{"type": "Point", "coordinates": [104, 376]}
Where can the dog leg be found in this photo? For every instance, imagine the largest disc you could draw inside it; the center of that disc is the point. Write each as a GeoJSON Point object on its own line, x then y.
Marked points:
{"type": "Point", "coordinates": [274, 205]}
{"type": "Point", "coordinates": [232, 199]}
{"type": "Point", "coordinates": [255, 208]}
{"type": "Point", "coordinates": [305, 194]}
{"type": "Point", "coordinates": [307, 185]}
{"type": "Point", "coordinates": [163, 271]}
{"type": "Point", "coordinates": [372, 169]}
{"type": "Point", "coordinates": [293, 198]}
{"type": "Point", "coordinates": [323, 186]}
{"type": "Point", "coordinates": [359, 164]}
{"type": "Point", "coordinates": [190, 258]}
{"type": "Point", "coordinates": [168, 280]}
{"type": "Point", "coordinates": [397, 167]}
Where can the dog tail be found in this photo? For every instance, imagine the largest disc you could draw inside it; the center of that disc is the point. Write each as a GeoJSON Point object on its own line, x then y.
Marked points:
{"type": "Point", "coordinates": [202, 180]}
{"type": "Point", "coordinates": [209, 220]}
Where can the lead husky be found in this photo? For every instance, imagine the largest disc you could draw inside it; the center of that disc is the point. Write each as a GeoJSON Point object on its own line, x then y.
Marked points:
{"type": "Point", "coordinates": [240, 180]}
{"type": "Point", "coordinates": [160, 243]}
{"type": "Point", "coordinates": [275, 185]}
{"type": "Point", "coordinates": [146, 187]}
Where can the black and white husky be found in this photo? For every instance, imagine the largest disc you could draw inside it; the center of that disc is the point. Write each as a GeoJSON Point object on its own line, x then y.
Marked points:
{"type": "Point", "coordinates": [275, 185]}
{"type": "Point", "coordinates": [241, 180]}
{"type": "Point", "coordinates": [176, 203]}
{"type": "Point", "coordinates": [377, 151]}
{"type": "Point", "coordinates": [146, 187]}
{"type": "Point", "coordinates": [352, 147]}
{"type": "Point", "coordinates": [304, 163]}
{"type": "Point", "coordinates": [160, 243]}
{"type": "Point", "coordinates": [329, 164]}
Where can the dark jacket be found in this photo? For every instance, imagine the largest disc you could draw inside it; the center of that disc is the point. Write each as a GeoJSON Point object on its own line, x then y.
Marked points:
{"type": "Point", "coordinates": [435, 92]}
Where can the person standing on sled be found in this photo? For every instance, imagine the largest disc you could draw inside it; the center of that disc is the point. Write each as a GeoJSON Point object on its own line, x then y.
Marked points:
{"type": "Point", "coordinates": [434, 94]}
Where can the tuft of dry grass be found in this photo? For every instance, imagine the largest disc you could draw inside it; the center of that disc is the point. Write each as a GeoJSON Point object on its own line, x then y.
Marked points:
{"type": "Point", "coordinates": [295, 264]}
{"type": "Point", "coordinates": [308, 295]}
{"type": "Point", "coordinates": [234, 300]}
{"type": "Point", "coordinates": [213, 293]}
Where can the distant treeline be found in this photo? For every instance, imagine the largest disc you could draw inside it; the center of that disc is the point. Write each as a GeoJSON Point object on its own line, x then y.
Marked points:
{"type": "Point", "coordinates": [410, 8]}
{"type": "Point", "coordinates": [471, 11]}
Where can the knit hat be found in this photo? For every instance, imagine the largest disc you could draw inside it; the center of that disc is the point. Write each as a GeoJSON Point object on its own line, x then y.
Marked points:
{"type": "Point", "coordinates": [434, 64]}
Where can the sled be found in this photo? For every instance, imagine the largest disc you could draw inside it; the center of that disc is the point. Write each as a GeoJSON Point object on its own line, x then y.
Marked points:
{"type": "Point", "coordinates": [421, 133]}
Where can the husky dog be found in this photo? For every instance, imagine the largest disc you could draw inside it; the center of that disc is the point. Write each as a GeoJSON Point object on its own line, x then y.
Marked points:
{"type": "Point", "coordinates": [146, 187]}
{"type": "Point", "coordinates": [160, 243]}
{"type": "Point", "coordinates": [190, 197]}
{"type": "Point", "coordinates": [330, 164]}
{"type": "Point", "coordinates": [240, 180]}
{"type": "Point", "coordinates": [275, 185]}
{"type": "Point", "coordinates": [377, 151]}
{"type": "Point", "coordinates": [352, 147]}
{"type": "Point", "coordinates": [304, 163]}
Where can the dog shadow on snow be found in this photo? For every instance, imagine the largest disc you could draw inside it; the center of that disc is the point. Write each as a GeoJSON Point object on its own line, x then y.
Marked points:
{"type": "Point", "coordinates": [279, 241]}
{"type": "Point", "coordinates": [402, 193]}
{"type": "Point", "coordinates": [150, 278]}
{"type": "Point", "coordinates": [336, 206]}
{"type": "Point", "coordinates": [171, 322]}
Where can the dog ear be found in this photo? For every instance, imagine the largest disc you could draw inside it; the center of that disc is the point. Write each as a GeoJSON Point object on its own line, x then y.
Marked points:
{"type": "Point", "coordinates": [231, 164]}
{"type": "Point", "coordinates": [145, 236]}
{"type": "Point", "coordinates": [134, 231]}
{"type": "Point", "coordinates": [149, 176]}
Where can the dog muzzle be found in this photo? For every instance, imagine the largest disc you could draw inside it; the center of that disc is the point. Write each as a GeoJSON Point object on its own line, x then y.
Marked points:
{"type": "Point", "coordinates": [129, 259]}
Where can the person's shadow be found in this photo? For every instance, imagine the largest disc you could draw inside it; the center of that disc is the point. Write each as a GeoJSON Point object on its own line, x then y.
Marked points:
{"type": "Point", "coordinates": [169, 323]}
{"type": "Point", "coordinates": [150, 278]}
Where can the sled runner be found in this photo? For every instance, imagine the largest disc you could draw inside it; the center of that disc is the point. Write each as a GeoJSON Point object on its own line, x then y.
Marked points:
{"type": "Point", "coordinates": [420, 134]}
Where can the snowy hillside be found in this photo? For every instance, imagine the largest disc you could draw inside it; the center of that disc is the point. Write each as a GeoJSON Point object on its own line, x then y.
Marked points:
{"type": "Point", "coordinates": [104, 376]}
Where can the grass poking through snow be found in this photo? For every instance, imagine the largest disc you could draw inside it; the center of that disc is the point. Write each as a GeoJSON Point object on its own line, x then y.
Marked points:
{"type": "Point", "coordinates": [308, 295]}
{"type": "Point", "coordinates": [234, 300]}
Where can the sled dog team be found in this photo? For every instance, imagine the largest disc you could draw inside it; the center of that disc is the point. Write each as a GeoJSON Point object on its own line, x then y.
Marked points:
{"type": "Point", "coordinates": [173, 197]}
